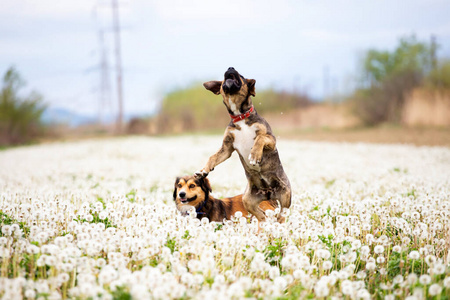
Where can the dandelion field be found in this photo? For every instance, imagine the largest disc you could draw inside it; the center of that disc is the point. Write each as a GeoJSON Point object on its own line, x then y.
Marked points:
{"type": "Point", "coordinates": [96, 220]}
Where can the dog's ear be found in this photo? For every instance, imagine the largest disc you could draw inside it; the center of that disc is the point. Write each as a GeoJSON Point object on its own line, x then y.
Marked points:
{"type": "Point", "coordinates": [213, 86]}
{"type": "Point", "coordinates": [206, 184]}
{"type": "Point", "coordinates": [203, 183]}
{"type": "Point", "coordinates": [251, 87]}
{"type": "Point", "coordinates": [175, 188]}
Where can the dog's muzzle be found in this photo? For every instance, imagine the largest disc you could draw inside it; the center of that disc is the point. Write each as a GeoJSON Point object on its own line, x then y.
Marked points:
{"type": "Point", "coordinates": [232, 83]}
{"type": "Point", "coordinates": [187, 200]}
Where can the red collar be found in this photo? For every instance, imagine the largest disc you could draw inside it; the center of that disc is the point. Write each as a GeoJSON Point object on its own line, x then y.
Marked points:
{"type": "Point", "coordinates": [242, 116]}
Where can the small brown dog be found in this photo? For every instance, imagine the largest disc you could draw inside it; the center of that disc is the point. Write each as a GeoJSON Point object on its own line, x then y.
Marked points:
{"type": "Point", "coordinates": [190, 191]}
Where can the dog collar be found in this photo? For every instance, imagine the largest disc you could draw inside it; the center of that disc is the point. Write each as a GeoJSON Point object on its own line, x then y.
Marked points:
{"type": "Point", "coordinates": [200, 208]}
{"type": "Point", "coordinates": [242, 116]}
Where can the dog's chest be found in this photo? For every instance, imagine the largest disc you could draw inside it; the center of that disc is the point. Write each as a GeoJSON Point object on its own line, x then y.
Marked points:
{"type": "Point", "coordinates": [244, 139]}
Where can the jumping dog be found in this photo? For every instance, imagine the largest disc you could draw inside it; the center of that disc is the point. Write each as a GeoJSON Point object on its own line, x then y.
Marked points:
{"type": "Point", "coordinates": [251, 136]}
{"type": "Point", "coordinates": [190, 191]}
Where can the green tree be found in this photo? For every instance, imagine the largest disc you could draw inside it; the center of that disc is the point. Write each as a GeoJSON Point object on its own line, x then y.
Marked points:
{"type": "Point", "coordinates": [391, 76]}
{"type": "Point", "coordinates": [410, 56]}
{"type": "Point", "coordinates": [20, 117]}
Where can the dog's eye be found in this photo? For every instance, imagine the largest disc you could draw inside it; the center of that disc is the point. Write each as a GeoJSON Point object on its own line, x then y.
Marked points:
{"type": "Point", "coordinates": [192, 186]}
{"type": "Point", "coordinates": [179, 185]}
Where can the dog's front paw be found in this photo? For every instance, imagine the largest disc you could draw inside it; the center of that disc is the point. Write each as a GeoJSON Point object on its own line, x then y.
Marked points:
{"type": "Point", "coordinates": [201, 174]}
{"type": "Point", "coordinates": [254, 159]}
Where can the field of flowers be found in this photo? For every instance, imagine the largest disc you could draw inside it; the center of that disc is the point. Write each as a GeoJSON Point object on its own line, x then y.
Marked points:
{"type": "Point", "coordinates": [96, 220]}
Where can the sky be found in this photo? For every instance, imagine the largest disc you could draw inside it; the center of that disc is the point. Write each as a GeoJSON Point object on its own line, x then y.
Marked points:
{"type": "Point", "coordinates": [169, 44]}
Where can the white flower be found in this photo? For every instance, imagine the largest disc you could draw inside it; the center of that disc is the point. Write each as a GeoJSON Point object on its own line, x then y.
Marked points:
{"type": "Point", "coordinates": [412, 278]}
{"type": "Point", "coordinates": [378, 249]}
{"type": "Point", "coordinates": [356, 244]}
{"type": "Point", "coordinates": [434, 289]}
{"type": "Point", "coordinates": [323, 253]}
{"type": "Point", "coordinates": [425, 279]}
{"type": "Point", "coordinates": [406, 240]}
{"type": "Point", "coordinates": [361, 274]}
{"type": "Point", "coordinates": [6, 229]}
{"type": "Point", "coordinates": [89, 218]}
{"type": "Point", "coordinates": [414, 255]}
{"type": "Point", "coordinates": [298, 274]}
{"type": "Point", "coordinates": [397, 248]}
{"type": "Point", "coordinates": [370, 266]}
{"type": "Point", "coordinates": [363, 294]}
{"type": "Point", "coordinates": [238, 214]}
{"type": "Point", "coordinates": [447, 282]}
{"type": "Point", "coordinates": [63, 277]}
{"type": "Point", "coordinates": [103, 215]}
{"type": "Point", "coordinates": [327, 265]}
{"type": "Point", "coordinates": [30, 294]}
{"type": "Point", "coordinates": [339, 231]}
{"type": "Point", "coordinates": [280, 283]}
{"type": "Point", "coordinates": [365, 250]}
{"type": "Point", "coordinates": [366, 226]}
{"type": "Point", "coordinates": [107, 274]}
{"type": "Point", "coordinates": [274, 272]}
{"type": "Point", "coordinates": [398, 279]}
{"type": "Point", "coordinates": [438, 269]}
{"type": "Point", "coordinates": [346, 287]}
{"type": "Point", "coordinates": [321, 290]}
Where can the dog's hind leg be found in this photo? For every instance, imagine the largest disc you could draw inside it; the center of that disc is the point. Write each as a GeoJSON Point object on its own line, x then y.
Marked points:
{"type": "Point", "coordinates": [285, 202]}
{"type": "Point", "coordinates": [251, 203]}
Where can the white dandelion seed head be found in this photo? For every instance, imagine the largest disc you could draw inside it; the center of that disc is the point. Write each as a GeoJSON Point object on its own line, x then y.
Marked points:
{"type": "Point", "coordinates": [425, 279]}
{"type": "Point", "coordinates": [434, 289]}
{"type": "Point", "coordinates": [414, 255]}
{"type": "Point", "coordinates": [378, 249]}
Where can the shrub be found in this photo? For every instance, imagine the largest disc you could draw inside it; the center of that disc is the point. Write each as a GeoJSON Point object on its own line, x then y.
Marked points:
{"type": "Point", "coordinates": [194, 108]}
{"type": "Point", "coordinates": [440, 76]}
{"type": "Point", "coordinates": [20, 117]}
{"type": "Point", "coordinates": [384, 103]}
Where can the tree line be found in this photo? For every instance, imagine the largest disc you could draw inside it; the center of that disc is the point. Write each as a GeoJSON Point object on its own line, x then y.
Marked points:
{"type": "Point", "coordinates": [386, 78]}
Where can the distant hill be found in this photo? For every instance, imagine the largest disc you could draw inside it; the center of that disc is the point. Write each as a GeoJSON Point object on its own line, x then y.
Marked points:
{"type": "Point", "coordinates": [56, 115]}
{"type": "Point", "coordinates": [63, 116]}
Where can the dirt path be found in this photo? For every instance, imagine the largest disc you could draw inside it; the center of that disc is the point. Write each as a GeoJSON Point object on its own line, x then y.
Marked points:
{"type": "Point", "coordinates": [384, 135]}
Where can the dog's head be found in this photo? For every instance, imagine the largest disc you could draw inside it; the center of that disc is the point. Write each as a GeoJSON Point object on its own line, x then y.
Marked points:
{"type": "Point", "coordinates": [235, 90]}
{"type": "Point", "coordinates": [190, 192]}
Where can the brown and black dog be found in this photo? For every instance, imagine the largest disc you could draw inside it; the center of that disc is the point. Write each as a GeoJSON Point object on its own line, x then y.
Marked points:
{"type": "Point", "coordinates": [195, 192]}
{"type": "Point", "coordinates": [251, 136]}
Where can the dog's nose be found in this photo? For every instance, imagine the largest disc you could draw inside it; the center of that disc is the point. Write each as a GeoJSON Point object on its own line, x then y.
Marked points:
{"type": "Point", "coordinates": [182, 194]}
{"type": "Point", "coordinates": [230, 69]}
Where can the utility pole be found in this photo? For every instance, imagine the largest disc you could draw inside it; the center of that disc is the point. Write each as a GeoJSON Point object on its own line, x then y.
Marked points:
{"type": "Point", "coordinates": [116, 28]}
{"type": "Point", "coordinates": [326, 82]}
{"type": "Point", "coordinates": [105, 89]}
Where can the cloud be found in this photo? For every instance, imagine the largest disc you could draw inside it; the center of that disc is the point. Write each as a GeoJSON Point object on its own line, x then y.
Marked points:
{"type": "Point", "coordinates": [348, 37]}
{"type": "Point", "coordinates": [45, 8]}
{"type": "Point", "coordinates": [229, 11]}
